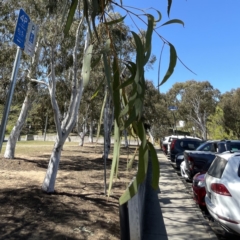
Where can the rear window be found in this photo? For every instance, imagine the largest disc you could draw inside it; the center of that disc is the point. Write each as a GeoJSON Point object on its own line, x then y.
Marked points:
{"type": "Point", "coordinates": [189, 145]}
{"type": "Point", "coordinates": [217, 167]}
{"type": "Point", "coordinates": [171, 139]}
{"type": "Point", "coordinates": [207, 147]}
{"type": "Point", "coordinates": [234, 146]}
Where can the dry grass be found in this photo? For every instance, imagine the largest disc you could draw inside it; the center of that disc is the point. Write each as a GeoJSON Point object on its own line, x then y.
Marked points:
{"type": "Point", "coordinates": [77, 210]}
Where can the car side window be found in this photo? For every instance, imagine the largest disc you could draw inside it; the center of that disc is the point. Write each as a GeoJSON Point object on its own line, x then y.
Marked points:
{"type": "Point", "coordinates": [239, 170]}
{"type": "Point", "coordinates": [217, 167]}
{"type": "Point", "coordinates": [221, 147]}
{"type": "Point", "coordinates": [207, 147]}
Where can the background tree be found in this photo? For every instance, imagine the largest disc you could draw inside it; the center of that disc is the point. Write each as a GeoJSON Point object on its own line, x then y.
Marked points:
{"type": "Point", "coordinates": [196, 101]}
{"type": "Point", "coordinates": [230, 104]}
{"type": "Point", "coordinates": [216, 129]}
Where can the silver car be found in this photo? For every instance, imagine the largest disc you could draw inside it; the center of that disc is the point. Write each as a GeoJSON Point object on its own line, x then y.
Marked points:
{"type": "Point", "coordinates": [222, 183]}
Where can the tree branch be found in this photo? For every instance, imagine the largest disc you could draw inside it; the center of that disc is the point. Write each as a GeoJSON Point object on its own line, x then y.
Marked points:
{"type": "Point", "coordinates": [40, 82]}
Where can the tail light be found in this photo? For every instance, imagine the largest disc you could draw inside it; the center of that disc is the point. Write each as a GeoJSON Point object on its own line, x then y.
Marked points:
{"type": "Point", "coordinates": [172, 144]}
{"type": "Point", "coordinates": [220, 189]}
{"type": "Point", "coordinates": [190, 162]}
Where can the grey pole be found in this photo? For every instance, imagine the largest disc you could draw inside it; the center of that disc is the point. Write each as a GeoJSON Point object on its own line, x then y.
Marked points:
{"type": "Point", "coordinates": [10, 95]}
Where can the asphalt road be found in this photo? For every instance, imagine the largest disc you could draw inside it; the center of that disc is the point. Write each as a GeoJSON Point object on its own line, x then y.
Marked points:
{"type": "Point", "coordinates": [216, 228]}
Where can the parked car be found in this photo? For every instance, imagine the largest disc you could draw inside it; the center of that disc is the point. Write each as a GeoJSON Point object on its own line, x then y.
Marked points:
{"type": "Point", "coordinates": [180, 145]}
{"type": "Point", "coordinates": [200, 161]}
{"type": "Point", "coordinates": [167, 141]}
{"type": "Point", "coordinates": [210, 145]}
{"type": "Point", "coordinates": [222, 183]}
{"type": "Point", "coordinates": [198, 189]}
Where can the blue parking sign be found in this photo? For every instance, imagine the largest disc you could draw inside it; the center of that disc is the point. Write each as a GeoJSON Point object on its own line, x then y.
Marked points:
{"type": "Point", "coordinates": [21, 29]}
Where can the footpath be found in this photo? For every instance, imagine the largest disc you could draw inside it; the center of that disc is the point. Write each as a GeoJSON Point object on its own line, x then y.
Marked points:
{"type": "Point", "coordinates": [171, 213]}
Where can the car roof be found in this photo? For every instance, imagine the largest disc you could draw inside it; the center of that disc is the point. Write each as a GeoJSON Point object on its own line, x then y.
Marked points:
{"type": "Point", "coordinates": [228, 155]}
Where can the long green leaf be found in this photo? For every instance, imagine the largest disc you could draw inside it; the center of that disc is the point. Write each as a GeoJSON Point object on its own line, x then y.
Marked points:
{"type": "Point", "coordinates": [115, 21]}
{"type": "Point", "coordinates": [85, 12]}
{"type": "Point", "coordinates": [127, 82]}
{"type": "Point", "coordinates": [130, 163]}
{"type": "Point", "coordinates": [159, 16]}
{"type": "Point", "coordinates": [169, 7]}
{"type": "Point", "coordinates": [116, 152]}
{"type": "Point", "coordinates": [101, 116]}
{"type": "Point", "coordinates": [143, 153]}
{"type": "Point", "coordinates": [87, 65]}
{"type": "Point", "coordinates": [173, 21]}
{"type": "Point", "coordinates": [129, 192]}
{"type": "Point", "coordinates": [155, 166]}
{"type": "Point", "coordinates": [70, 17]}
{"type": "Point", "coordinates": [95, 62]}
{"type": "Point", "coordinates": [172, 63]}
{"type": "Point", "coordinates": [116, 90]}
{"type": "Point", "coordinates": [148, 38]}
{"type": "Point", "coordinates": [107, 71]}
{"type": "Point", "coordinates": [95, 12]}
{"type": "Point", "coordinates": [139, 57]}
{"type": "Point", "coordinates": [97, 90]}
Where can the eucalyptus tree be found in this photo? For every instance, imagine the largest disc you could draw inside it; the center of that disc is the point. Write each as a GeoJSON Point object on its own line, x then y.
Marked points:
{"type": "Point", "coordinates": [230, 104]}
{"type": "Point", "coordinates": [127, 109]}
{"type": "Point", "coordinates": [81, 19]}
{"type": "Point", "coordinates": [216, 126]}
{"type": "Point", "coordinates": [196, 101]}
{"type": "Point", "coordinates": [155, 112]}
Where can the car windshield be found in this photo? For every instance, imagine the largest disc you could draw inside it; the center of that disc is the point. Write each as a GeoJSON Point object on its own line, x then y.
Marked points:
{"type": "Point", "coordinates": [204, 147]}
{"type": "Point", "coordinates": [189, 144]}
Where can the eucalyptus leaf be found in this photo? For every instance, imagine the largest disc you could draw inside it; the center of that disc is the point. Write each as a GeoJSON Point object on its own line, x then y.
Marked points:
{"type": "Point", "coordinates": [172, 64]}
{"type": "Point", "coordinates": [155, 166]}
{"type": "Point", "coordinates": [115, 21]}
{"type": "Point", "coordinates": [169, 7]}
{"type": "Point", "coordinates": [116, 152]}
{"type": "Point", "coordinates": [70, 17]}
{"type": "Point", "coordinates": [87, 65]}
{"type": "Point", "coordinates": [173, 21]}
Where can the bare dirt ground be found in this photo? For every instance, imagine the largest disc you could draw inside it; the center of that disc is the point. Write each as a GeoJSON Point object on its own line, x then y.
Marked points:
{"type": "Point", "coordinates": [77, 210]}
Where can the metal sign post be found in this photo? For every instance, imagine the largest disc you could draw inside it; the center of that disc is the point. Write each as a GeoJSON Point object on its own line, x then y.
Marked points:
{"type": "Point", "coordinates": [25, 29]}
{"type": "Point", "coordinates": [172, 109]}
{"type": "Point", "coordinates": [10, 95]}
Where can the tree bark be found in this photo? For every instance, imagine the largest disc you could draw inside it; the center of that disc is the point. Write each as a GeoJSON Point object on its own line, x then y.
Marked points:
{"type": "Point", "coordinates": [65, 127]}
{"type": "Point", "coordinates": [90, 137]}
{"type": "Point", "coordinates": [51, 174]}
{"type": "Point", "coordinates": [14, 135]}
{"type": "Point", "coordinates": [125, 137]}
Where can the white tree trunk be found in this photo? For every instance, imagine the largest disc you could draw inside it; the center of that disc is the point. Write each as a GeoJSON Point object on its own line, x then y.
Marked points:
{"type": "Point", "coordinates": [51, 174]}
{"type": "Point", "coordinates": [90, 137]}
{"type": "Point", "coordinates": [151, 136]}
{"type": "Point", "coordinates": [65, 127]}
{"type": "Point", "coordinates": [125, 138]}
{"type": "Point", "coordinates": [108, 123]}
{"type": "Point", "coordinates": [13, 137]}
{"type": "Point", "coordinates": [83, 133]}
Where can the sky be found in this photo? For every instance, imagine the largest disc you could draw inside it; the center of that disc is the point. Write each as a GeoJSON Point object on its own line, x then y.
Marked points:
{"type": "Point", "coordinates": [208, 43]}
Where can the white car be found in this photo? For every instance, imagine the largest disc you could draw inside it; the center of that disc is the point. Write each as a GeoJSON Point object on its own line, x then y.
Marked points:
{"type": "Point", "coordinates": [222, 184]}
